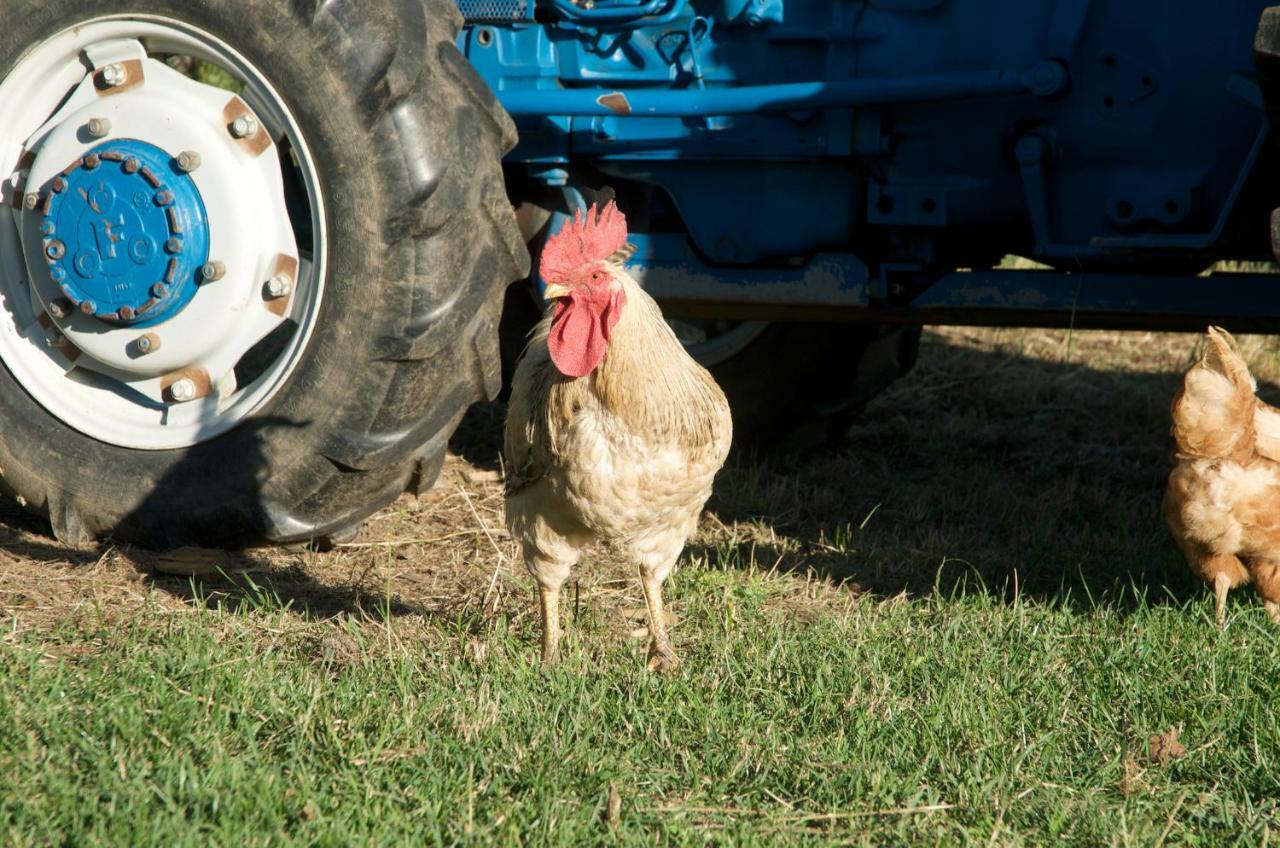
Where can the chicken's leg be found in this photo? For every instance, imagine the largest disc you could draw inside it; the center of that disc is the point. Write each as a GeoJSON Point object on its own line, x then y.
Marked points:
{"type": "Point", "coordinates": [1266, 578]}
{"type": "Point", "coordinates": [662, 657]}
{"type": "Point", "coordinates": [549, 601]}
{"type": "Point", "coordinates": [1221, 585]}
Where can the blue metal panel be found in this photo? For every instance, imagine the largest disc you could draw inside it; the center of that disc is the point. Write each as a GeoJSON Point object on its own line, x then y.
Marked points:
{"type": "Point", "coordinates": [926, 133]}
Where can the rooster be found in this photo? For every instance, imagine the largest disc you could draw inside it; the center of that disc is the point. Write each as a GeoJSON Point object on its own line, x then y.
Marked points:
{"type": "Point", "coordinates": [613, 432]}
{"type": "Point", "coordinates": [1222, 503]}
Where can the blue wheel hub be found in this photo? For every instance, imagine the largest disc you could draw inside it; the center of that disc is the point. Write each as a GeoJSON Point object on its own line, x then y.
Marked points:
{"type": "Point", "coordinates": [125, 234]}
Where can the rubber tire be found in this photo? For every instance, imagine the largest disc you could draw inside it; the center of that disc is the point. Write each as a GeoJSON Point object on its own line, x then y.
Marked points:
{"type": "Point", "coordinates": [407, 142]}
{"type": "Point", "coordinates": [799, 384]}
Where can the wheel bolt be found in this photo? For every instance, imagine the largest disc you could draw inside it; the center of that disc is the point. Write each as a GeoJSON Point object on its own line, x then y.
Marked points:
{"type": "Point", "coordinates": [149, 342]}
{"type": "Point", "coordinates": [46, 227]}
{"type": "Point", "coordinates": [88, 307]}
{"type": "Point", "coordinates": [173, 246]}
{"type": "Point", "coordinates": [30, 201]}
{"type": "Point", "coordinates": [244, 126]}
{"type": "Point", "coordinates": [98, 127]}
{"type": "Point", "coordinates": [183, 390]}
{"type": "Point", "coordinates": [92, 161]}
{"type": "Point", "coordinates": [58, 308]}
{"type": "Point", "coordinates": [113, 75]}
{"type": "Point", "coordinates": [213, 271]}
{"type": "Point", "coordinates": [164, 198]}
{"type": "Point", "coordinates": [131, 165]}
{"type": "Point", "coordinates": [279, 285]}
{"type": "Point", "coordinates": [55, 250]}
{"type": "Point", "coordinates": [159, 290]}
{"type": "Point", "coordinates": [188, 161]}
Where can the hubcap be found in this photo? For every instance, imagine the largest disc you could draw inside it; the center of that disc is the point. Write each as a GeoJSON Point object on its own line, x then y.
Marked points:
{"type": "Point", "coordinates": [126, 234]}
{"type": "Point", "coordinates": [156, 288]}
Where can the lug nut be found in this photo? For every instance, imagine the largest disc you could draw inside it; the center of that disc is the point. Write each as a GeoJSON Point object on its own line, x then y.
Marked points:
{"type": "Point", "coordinates": [149, 342]}
{"type": "Point", "coordinates": [188, 161]}
{"type": "Point", "coordinates": [58, 308]}
{"type": "Point", "coordinates": [30, 201]}
{"type": "Point", "coordinates": [46, 227]}
{"type": "Point", "coordinates": [98, 127]}
{"type": "Point", "coordinates": [55, 250]}
{"type": "Point", "coordinates": [159, 290]}
{"type": "Point", "coordinates": [88, 307]}
{"type": "Point", "coordinates": [244, 126]}
{"type": "Point", "coordinates": [173, 246]}
{"type": "Point", "coordinates": [164, 198]}
{"type": "Point", "coordinates": [113, 75]}
{"type": "Point", "coordinates": [213, 271]}
{"type": "Point", "coordinates": [92, 161]}
{"type": "Point", "coordinates": [279, 285]}
{"type": "Point", "coordinates": [183, 390]}
{"type": "Point", "coordinates": [125, 313]}
{"type": "Point", "coordinates": [131, 165]}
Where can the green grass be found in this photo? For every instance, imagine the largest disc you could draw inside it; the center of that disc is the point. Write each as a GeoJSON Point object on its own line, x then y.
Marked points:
{"type": "Point", "coordinates": [963, 628]}
{"type": "Point", "coordinates": [947, 721]}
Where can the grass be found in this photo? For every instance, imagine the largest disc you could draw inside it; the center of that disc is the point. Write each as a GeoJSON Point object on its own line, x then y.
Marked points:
{"type": "Point", "coordinates": [964, 627]}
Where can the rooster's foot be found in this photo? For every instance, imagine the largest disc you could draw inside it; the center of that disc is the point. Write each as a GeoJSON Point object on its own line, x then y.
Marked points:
{"type": "Point", "coordinates": [662, 659]}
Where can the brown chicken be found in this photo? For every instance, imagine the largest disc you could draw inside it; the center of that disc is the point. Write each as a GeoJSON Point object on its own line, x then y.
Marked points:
{"type": "Point", "coordinates": [613, 432]}
{"type": "Point", "coordinates": [1223, 499]}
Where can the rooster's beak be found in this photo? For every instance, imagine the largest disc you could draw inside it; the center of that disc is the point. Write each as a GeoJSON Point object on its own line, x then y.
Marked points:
{"type": "Point", "coordinates": [555, 290]}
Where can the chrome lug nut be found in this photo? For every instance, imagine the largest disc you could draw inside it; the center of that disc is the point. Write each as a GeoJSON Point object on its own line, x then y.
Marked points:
{"type": "Point", "coordinates": [113, 75]}
{"type": "Point", "coordinates": [183, 390]}
{"type": "Point", "coordinates": [58, 308]}
{"type": "Point", "coordinates": [212, 271]}
{"type": "Point", "coordinates": [147, 343]}
{"type": "Point", "coordinates": [98, 127]}
{"type": "Point", "coordinates": [279, 285]}
{"type": "Point", "coordinates": [244, 126]}
{"type": "Point", "coordinates": [188, 161]}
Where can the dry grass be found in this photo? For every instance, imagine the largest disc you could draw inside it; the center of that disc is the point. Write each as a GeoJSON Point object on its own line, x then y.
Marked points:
{"type": "Point", "coordinates": [1028, 459]}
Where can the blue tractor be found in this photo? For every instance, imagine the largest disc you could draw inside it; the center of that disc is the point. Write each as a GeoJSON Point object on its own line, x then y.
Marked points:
{"type": "Point", "coordinates": [260, 255]}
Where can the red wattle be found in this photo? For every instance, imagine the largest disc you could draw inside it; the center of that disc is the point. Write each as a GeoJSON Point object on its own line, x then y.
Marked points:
{"type": "Point", "coordinates": [580, 332]}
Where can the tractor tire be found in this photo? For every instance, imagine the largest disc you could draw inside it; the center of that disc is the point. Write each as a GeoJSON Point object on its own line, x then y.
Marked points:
{"type": "Point", "coordinates": [407, 142]}
{"type": "Point", "coordinates": [802, 384]}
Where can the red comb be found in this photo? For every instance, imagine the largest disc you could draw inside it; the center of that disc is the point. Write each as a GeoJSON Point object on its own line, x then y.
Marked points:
{"type": "Point", "coordinates": [587, 238]}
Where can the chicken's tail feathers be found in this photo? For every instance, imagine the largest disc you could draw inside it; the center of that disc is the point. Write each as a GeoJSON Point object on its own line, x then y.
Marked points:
{"type": "Point", "coordinates": [1213, 414]}
{"type": "Point", "coordinates": [1222, 356]}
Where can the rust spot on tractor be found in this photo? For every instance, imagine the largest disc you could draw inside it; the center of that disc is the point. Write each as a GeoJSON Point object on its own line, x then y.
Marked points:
{"type": "Point", "coordinates": [615, 102]}
{"type": "Point", "coordinates": [257, 143]}
{"type": "Point", "coordinates": [134, 76]}
{"type": "Point", "coordinates": [288, 266]}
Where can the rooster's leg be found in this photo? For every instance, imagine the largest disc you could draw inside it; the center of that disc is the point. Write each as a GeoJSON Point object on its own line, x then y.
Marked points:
{"type": "Point", "coordinates": [549, 601]}
{"type": "Point", "coordinates": [662, 657]}
{"type": "Point", "coordinates": [1221, 585]}
{"type": "Point", "coordinates": [1273, 610]}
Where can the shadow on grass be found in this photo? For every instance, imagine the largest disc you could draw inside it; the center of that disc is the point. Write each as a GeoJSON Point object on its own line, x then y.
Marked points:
{"type": "Point", "coordinates": [1013, 471]}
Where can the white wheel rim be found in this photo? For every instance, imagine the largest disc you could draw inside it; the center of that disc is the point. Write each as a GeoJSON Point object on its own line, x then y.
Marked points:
{"type": "Point", "coordinates": [131, 402]}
